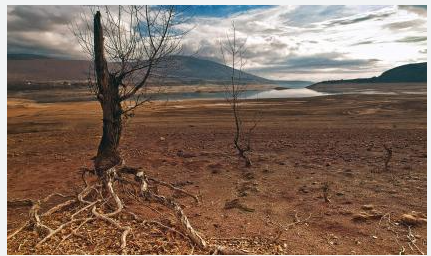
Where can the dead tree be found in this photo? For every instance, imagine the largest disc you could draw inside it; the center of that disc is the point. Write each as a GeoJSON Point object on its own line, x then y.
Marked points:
{"type": "Point", "coordinates": [233, 50]}
{"type": "Point", "coordinates": [388, 156]}
{"type": "Point", "coordinates": [127, 45]}
{"type": "Point", "coordinates": [136, 41]}
{"type": "Point", "coordinates": [326, 190]}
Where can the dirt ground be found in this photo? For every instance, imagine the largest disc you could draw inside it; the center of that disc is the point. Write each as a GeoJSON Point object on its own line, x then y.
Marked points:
{"type": "Point", "coordinates": [300, 147]}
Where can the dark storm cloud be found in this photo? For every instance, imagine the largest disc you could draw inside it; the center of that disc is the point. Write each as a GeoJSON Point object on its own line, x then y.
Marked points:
{"type": "Point", "coordinates": [24, 44]}
{"type": "Point", "coordinates": [306, 14]}
{"type": "Point", "coordinates": [316, 62]}
{"type": "Point", "coordinates": [364, 43]}
{"type": "Point", "coordinates": [270, 52]}
{"type": "Point", "coordinates": [323, 61]}
{"type": "Point", "coordinates": [42, 30]}
{"type": "Point", "coordinates": [348, 21]}
{"type": "Point", "coordinates": [38, 18]}
{"type": "Point", "coordinates": [412, 39]}
{"type": "Point", "coordinates": [409, 24]}
{"type": "Point", "coordinates": [418, 9]}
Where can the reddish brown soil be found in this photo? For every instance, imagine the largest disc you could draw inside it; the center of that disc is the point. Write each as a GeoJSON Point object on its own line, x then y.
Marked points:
{"type": "Point", "coordinates": [300, 145]}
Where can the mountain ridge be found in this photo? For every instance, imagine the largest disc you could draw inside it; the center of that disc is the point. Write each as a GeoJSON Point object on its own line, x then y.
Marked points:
{"type": "Point", "coordinates": [185, 70]}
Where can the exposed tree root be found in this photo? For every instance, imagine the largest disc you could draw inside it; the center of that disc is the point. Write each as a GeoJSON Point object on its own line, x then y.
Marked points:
{"type": "Point", "coordinates": [18, 230]}
{"type": "Point", "coordinates": [99, 200]}
{"type": "Point", "coordinates": [402, 233]}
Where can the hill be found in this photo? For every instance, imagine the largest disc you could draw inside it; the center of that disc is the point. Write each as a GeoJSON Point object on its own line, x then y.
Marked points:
{"type": "Point", "coordinates": [407, 73]}
{"type": "Point", "coordinates": [181, 70]}
{"type": "Point", "coordinates": [410, 73]}
{"type": "Point", "coordinates": [46, 70]}
{"type": "Point", "coordinates": [195, 70]}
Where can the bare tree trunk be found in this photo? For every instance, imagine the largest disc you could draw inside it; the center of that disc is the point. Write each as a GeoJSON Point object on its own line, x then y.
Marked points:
{"type": "Point", "coordinates": [241, 151]}
{"type": "Point", "coordinates": [107, 154]}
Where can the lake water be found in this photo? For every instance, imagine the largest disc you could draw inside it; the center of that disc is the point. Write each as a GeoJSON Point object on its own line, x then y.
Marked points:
{"type": "Point", "coordinates": [270, 94]}
{"type": "Point", "coordinates": [50, 97]}
{"type": "Point", "coordinates": [288, 93]}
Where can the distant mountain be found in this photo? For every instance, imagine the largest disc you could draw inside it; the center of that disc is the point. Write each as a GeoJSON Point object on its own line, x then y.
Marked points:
{"type": "Point", "coordinates": [195, 70]}
{"type": "Point", "coordinates": [410, 73]}
{"type": "Point", "coordinates": [46, 70]}
{"type": "Point", "coordinates": [26, 56]}
{"type": "Point", "coordinates": [181, 70]}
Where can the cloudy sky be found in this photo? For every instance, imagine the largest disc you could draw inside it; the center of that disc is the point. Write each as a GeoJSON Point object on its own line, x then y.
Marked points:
{"type": "Point", "coordinates": [283, 42]}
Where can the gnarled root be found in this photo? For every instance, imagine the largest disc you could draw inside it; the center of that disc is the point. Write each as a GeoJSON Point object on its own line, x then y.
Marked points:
{"type": "Point", "coordinates": [101, 201]}
{"type": "Point", "coordinates": [193, 235]}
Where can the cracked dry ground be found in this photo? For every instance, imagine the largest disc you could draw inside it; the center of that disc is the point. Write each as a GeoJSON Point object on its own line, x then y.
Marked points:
{"type": "Point", "coordinates": [300, 145]}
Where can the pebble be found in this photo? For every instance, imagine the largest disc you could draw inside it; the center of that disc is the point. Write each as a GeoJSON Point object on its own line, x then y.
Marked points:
{"type": "Point", "coordinates": [367, 207]}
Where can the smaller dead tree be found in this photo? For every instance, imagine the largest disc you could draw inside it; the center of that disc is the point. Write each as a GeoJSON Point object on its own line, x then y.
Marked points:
{"type": "Point", "coordinates": [326, 190]}
{"type": "Point", "coordinates": [233, 50]}
{"type": "Point", "coordinates": [388, 156]}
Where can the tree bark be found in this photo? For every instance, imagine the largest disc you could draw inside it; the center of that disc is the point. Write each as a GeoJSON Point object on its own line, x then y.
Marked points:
{"type": "Point", "coordinates": [107, 154]}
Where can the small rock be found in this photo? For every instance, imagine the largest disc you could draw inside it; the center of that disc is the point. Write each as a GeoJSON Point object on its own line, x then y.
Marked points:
{"type": "Point", "coordinates": [363, 216]}
{"type": "Point", "coordinates": [236, 204]}
{"type": "Point", "coordinates": [181, 153]}
{"type": "Point", "coordinates": [162, 139]}
{"type": "Point", "coordinates": [367, 207]}
{"type": "Point", "coordinates": [304, 190]}
{"type": "Point", "coordinates": [249, 175]}
{"type": "Point", "coordinates": [413, 219]}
